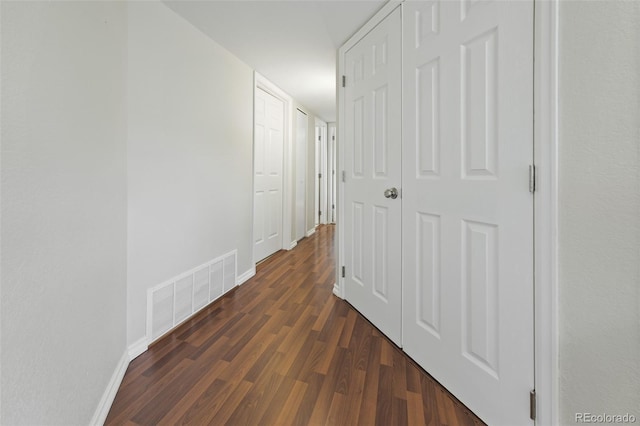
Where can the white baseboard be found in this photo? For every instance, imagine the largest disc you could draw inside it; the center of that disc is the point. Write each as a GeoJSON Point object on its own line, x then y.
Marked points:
{"type": "Point", "coordinates": [336, 290]}
{"type": "Point", "coordinates": [138, 348]}
{"type": "Point", "coordinates": [293, 245]}
{"type": "Point", "coordinates": [109, 395]}
{"type": "Point", "coordinates": [246, 276]}
{"type": "Point", "coordinates": [310, 232]}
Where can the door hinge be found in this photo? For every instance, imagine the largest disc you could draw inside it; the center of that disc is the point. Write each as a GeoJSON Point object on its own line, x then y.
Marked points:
{"type": "Point", "coordinates": [344, 81]}
{"type": "Point", "coordinates": [343, 272]}
{"type": "Point", "coordinates": [320, 213]}
{"type": "Point", "coordinates": [344, 176]}
{"type": "Point", "coordinates": [333, 206]}
{"type": "Point", "coordinates": [532, 178]}
{"type": "Point", "coordinates": [333, 137]}
{"type": "Point", "coordinates": [319, 175]}
{"type": "Point", "coordinates": [319, 137]}
{"type": "Point", "coordinates": [532, 404]}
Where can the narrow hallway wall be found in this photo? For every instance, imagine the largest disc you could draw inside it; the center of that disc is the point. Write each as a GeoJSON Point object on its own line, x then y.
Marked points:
{"type": "Point", "coordinates": [63, 169]}
{"type": "Point", "coordinates": [599, 209]}
{"type": "Point", "coordinates": [190, 139]}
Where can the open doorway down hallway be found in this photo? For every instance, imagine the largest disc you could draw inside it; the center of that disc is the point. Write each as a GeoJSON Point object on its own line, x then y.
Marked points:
{"type": "Point", "coordinates": [282, 349]}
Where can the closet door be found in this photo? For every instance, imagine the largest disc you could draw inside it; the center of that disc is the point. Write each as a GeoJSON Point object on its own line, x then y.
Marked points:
{"type": "Point", "coordinates": [467, 209]}
{"type": "Point", "coordinates": [372, 221]}
{"type": "Point", "coordinates": [268, 166]}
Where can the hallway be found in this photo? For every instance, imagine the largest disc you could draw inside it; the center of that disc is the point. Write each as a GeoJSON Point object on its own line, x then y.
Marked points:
{"type": "Point", "coordinates": [282, 349]}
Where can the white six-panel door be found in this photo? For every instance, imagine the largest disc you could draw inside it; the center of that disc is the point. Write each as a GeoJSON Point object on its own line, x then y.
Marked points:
{"type": "Point", "coordinates": [467, 209]}
{"type": "Point", "coordinates": [268, 171]}
{"type": "Point", "coordinates": [372, 222]}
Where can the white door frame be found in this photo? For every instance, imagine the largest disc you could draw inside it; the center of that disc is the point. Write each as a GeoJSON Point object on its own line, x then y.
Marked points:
{"type": "Point", "coordinates": [317, 156]}
{"type": "Point", "coordinates": [331, 171]}
{"type": "Point", "coordinates": [261, 82]}
{"type": "Point", "coordinates": [321, 162]}
{"type": "Point", "coordinates": [546, 196]}
{"type": "Point", "coordinates": [545, 98]}
{"type": "Point", "coordinates": [297, 165]}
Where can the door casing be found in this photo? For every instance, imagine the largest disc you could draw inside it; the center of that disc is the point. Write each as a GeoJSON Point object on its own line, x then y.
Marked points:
{"type": "Point", "coordinates": [302, 145]}
{"type": "Point", "coordinates": [320, 196]}
{"type": "Point", "coordinates": [331, 172]}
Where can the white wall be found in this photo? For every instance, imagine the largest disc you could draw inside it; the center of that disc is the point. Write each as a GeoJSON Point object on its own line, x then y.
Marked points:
{"type": "Point", "coordinates": [63, 208]}
{"type": "Point", "coordinates": [190, 139]}
{"type": "Point", "coordinates": [599, 223]}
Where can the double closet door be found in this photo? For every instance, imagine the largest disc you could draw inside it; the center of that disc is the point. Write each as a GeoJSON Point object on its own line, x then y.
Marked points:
{"type": "Point", "coordinates": [438, 217]}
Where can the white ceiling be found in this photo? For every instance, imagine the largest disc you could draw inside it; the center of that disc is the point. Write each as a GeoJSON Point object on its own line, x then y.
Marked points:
{"type": "Point", "coordinates": [293, 43]}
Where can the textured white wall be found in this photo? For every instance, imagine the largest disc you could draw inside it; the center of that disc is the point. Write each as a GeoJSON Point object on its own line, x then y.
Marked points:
{"type": "Point", "coordinates": [190, 139]}
{"type": "Point", "coordinates": [599, 207]}
{"type": "Point", "coordinates": [63, 208]}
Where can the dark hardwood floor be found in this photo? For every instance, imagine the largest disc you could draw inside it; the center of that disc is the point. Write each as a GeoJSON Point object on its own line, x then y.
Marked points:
{"type": "Point", "coordinates": [282, 350]}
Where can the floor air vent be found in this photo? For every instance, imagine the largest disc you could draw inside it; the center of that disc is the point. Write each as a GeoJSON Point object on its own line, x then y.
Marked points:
{"type": "Point", "coordinates": [176, 300]}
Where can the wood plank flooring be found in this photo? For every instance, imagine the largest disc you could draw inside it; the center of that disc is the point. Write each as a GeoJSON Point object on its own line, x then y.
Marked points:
{"type": "Point", "coordinates": [282, 350]}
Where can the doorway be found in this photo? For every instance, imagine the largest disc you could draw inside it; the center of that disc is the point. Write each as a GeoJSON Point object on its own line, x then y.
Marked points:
{"type": "Point", "coordinates": [331, 173]}
{"type": "Point", "coordinates": [462, 248]}
{"type": "Point", "coordinates": [302, 124]}
{"type": "Point", "coordinates": [320, 212]}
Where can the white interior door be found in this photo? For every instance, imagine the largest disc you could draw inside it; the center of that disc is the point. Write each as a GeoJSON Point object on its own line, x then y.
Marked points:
{"type": "Point", "coordinates": [372, 223]}
{"type": "Point", "coordinates": [331, 174]}
{"type": "Point", "coordinates": [302, 123]}
{"type": "Point", "coordinates": [316, 211]}
{"type": "Point", "coordinates": [268, 171]}
{"type": "Point", "coordinates": [321, 172]}
{"type": "Point", "coordinates": [467, 209]}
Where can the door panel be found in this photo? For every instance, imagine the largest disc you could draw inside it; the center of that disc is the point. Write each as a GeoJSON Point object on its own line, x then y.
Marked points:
{"type": "Point", "coordinates": [467, 211]}
{"type": "Point", "coordinates": [268, 163]}
{"type": "Point", "coordinates": [372, 165]}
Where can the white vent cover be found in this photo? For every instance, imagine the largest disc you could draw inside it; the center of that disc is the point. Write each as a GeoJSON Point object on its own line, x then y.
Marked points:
{"type": "Point", "coordinates": [215, 280]}
{"type": "Point", "coordinates": [201, 288]}
{"type": "Point", "coordinates": [179, 298]}
{"type": "Point", "coordinates": [229, 273]}
{"type": "Point", "coordinates": [184, 298]}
